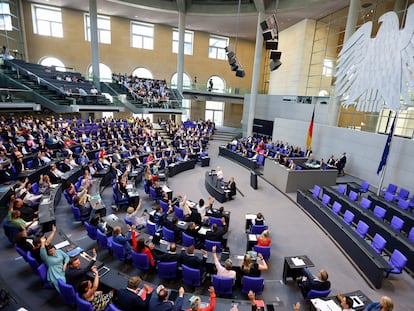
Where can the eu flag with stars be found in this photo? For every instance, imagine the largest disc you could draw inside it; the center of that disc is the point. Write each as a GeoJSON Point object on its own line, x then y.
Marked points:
{"type": "Point", "coordinates": [386, 148]}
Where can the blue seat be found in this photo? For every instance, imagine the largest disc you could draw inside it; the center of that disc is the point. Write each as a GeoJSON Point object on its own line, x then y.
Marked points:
{"type": "Point", "coordinates": [10, 231]}
{"type": "Point", "coordinates": [378, 243]}
{"type": "Point", "coordinates": [402, 194]}
{"type": "Point", "coordinates": [316, 191]}
{"type": "Point", "coordinates": [77, 215]}
{"type": "Point", "coordinates": [151, 228]}
{"type": "Point", "coordinates": [119, 202]}
{"type": "Point", "coordinates": [411, 203]}
{"type": "Point", "coordinates": [411, 235]}
{"type": "Point", "coordinates": [348, 217]}
{"type": "Point", "coordinates": [257, 229]}
{"type": "Point", "coordinates": [403, 204]}
{"type": "Point", "coordinates": [67, 293]}
{"type": "Point", "coordinates": [365, 203]}
{"type": "Point", "coordinates": [128, 221]}
{"type": "Point", "coordinates": [389, 197]}
{"type": "Point", "coordinates": [35, 188]}
{"type": "Point", "coordinates": [317, 294]}
{"type": "Point", "coordinates": [153, 194]}
{"type": "Point", "coordinates": [255, 284]}
{"type": "Point", "coordinates": [140, 261]}
{"type": "Point", "coordinates": [390, 189]}
{"type": "Point", "coordinates": [397, 223]}
{"type": "Point", "coordinates": [42, 273]}
{"type": "Point", "coordinates": [379, 212]}
{"type": "Point", "coordinates": [364, 187]}
{"type": "Point", "coordinates": [164, 206]}
{"type": "Point", "coordinates": [215, 220]}
{"type": "Point", "coordinates": [82, 304]}
{"type": "Point", "coordinates": [362, 229]}
{"type": "Point", "coordinates": [119, 252]}
{"type": "Point", "coordinates": [20, 252]}
{"type": "Point", "coordinates": [103, 241]}
{"type": "Point", "coordinates": [112, 307]}
{"type": "Point", "coordinates": [264, 250]}
{"type": "Point", "coordinates": [187, 240]}
{"type": "Point", "coordinates": [68, 197]}
{"type": "Point", "coordinates": [336, 207]}
{"type": "Point", "coordinates": [179, 213]}
{"type": "Point", "coordinates": [223, 285]}
{"type": "Point", "coordinates": [326, 199]}
{"type": "Point", "coordinates": [168, 235]}
{"type": "Point", "coordinates": [167, 270]}
{"type": "Point", "coordinates": [397, 261]}
{"type": "Point", "coordinates": [341, 189]}
{"type": "Point", "coordinates": [91, 230]}
{"type": "Point", "coordinates": [209, 245]}
{"type": "Point", "coordinates": [191, 276]}
{"type": "Point", "coordinates": [353, 196]}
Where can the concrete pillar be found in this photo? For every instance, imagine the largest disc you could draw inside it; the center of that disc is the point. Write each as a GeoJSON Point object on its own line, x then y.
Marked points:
{"type": "Point", "coordinates": [93, 16]}
{"type": "Point", "coordinates": [256, 73]}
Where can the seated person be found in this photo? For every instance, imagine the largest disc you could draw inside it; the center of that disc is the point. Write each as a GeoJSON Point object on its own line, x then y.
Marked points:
{"type": "Point", "coordinates": [202, 207]}
{"type": "Point", "coordinates": [119, 238]}
{"type": "Point", "coordinates": [259, 220]}
{"type": "Point", "coordinates": [172, 225]}
{"type": "Point", "coordinates": [15, 219]}
{"type": "Point", "coordinates": [216, 233]}
{"type": "Point", "coordinates": [162, 303]}
{"type": "Point", "coordinates": [75, 274]}
{"type": "Point", "coordinates": [231, 185]}
{"type": "Point", "coordinates": [347, 303]}
{"type": "Point", "coordinates": [89, 291]}
{"type": "Point", "coordinates": [170, 256]}
{"type": "Point", "coordinates": [308, 281]}
{"type": "Point", "coordinates": [133, 216]}
{"type": "Point", "coordinates": [44, 184]}
{"type": "Point", "coordinates": [191, 260]}
{"type": "Point", "coordinates": [131, 298]}
{"type": "Point", "coordinates": [140, 247]}
{"type": "Point", "coordinates": [101, 225]}
{"type": "Point", "coordinates": [250, 268]}
{"type": "Point", "coordinates": [80, 203]}
{"type": "Point", "coordinates": [226, 271]}
{"type": "Point", "coordinates": [264, 239]}
{"type": "Point", "coordinates": [55, 174]}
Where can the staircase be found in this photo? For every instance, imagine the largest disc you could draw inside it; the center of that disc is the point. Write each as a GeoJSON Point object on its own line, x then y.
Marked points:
{"type": "Point", "coordinates": [225, 134]}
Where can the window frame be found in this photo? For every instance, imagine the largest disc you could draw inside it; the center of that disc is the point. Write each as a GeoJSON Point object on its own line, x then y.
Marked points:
{"type": "Point", "coordinates": [52, 24]}
{"type": "Point", "coordinates": [144, 39]}
{"type": "Point", "coordinates": [188, 44]}
{"type": "Point", "coordinates": [220, 55]}
{"type": "Point", "coordinates": [101, 31]}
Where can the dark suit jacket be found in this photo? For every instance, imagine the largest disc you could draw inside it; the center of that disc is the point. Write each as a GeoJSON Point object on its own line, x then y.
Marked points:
{"type": "Point", "coordinates": [232, 187]}
{"type": "Point", "coordinates": [168, 257]}
{"type": "Point", "coordinates": [314, 284]}
{"type": "Point", "coordinates": [217, 235]}
{"type": "Point", "coordinates": [129, 301]}
{"type": "Point", "coordinates": [76, 276]}
{"type": "Point", "coordinates": [194, 262]}
{"type": "Point", "coordinates": [38, 162]}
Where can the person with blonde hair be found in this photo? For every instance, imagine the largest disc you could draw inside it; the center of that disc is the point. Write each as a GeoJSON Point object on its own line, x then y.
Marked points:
{"type": "Point", "coordinates": [385, 304]}
{"type": "Point", "coordinates": [251, 268]}
{"type": "Point", "coordinates": [196, 302]}
{"type": "Point", "coordinates": [264, 239]}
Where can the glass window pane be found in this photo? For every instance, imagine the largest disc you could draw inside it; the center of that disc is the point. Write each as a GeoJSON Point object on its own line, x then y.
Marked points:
{"type": "Point", "coordinates": [105, 37]}
{"type": "Point", "coordinates": [175, 47]}
{"type": "Point", "coordinates": [175, 35]}
{"type": "Point", "coordinates": [148, 43]}
{"type": "Point", "coordinates": [43, 28]}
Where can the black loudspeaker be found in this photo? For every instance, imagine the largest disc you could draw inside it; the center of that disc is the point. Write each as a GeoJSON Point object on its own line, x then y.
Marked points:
{"type": "Point", "coordinates": [272, 45]}
{"type": "Point", "coordinates": [234, 67]}
{"type": "Point", "coordinates": [275, 55]}
{"type": "Point", "coordinates": [264, 25]}
{"type": "Point", "coordinates": [268, 35]}
{"type": "Point", "coordinates": [232, 61]}
{"type": "Point", "coordinates": [274, 64]}
{"type": "Point", "coordinates": [230, 54]}
{"type": "Point", "coordinates": [240, 73]}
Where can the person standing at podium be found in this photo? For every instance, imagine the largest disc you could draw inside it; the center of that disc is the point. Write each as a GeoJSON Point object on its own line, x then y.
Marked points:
{"type": "Point", "coordinates": [231, 185]}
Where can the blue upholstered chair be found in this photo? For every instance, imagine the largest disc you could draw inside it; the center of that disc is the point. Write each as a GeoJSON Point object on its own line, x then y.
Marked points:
{"type": "Point", "coordinates": [364, 187]}
{"type": "Point", "coordinates": [390, 189]}
{"type": "Point", "coordinates": [342, 189]}
{"type": "Point", "coordinates": [397, 223]}
{"type": "Point", "coordinates": [103, 241]}
{"type": "Point", "coordinates": [91, 230]}
{"type": "Point", "coordinates": [151, 228]}
{"type": "Point", "coordinates": [255, 284]}
{"type": "Point", "coordinates": [187, 240]}
{"type": "Point", "coordinates": [191, 276]}
{"type": "Point", "coordinates": [365, 203]}
{"type": "Point", "coordinates": [362, 229]}
{"type": "Point", "coordinates": [67, 293]}
{"type": "Point", "coordinates": [140, 261]}
{"type": "Point", "coordinates": [119, 252]}
{"type": "Point", "coordinates": [257, 229]}
{"type": "Point", "coordinates": [264, 250]}
{"type": "Point", "coordinates": [209, 245]}
{"type": "Point", "coordinates": [348, 217]}
{"type": "Point", "coordinates": [317, 294]}
{"type": "Point", "coordinates": [378, 243]}
{"type": "Point", "coordinates": [82, 304]}
{"type": "Point", "coordinates": [379, 212]}
{"type": "Point", "coordinates": [326, 199]}
{"type": "Point", "coordinates": [353, 196]}
{"type": "Point", "coordinates": [167, 270]}
{"type": "Point", "coordinates": [336, 208]}
{"type": "Point", "coordinates": [397, 261]}
{"type": "Point", "coordinates": [168, 235]}
{"type": "Point", "coordinates": [316, 191]}
{"type": "Point", "coordinates": [223, 285]}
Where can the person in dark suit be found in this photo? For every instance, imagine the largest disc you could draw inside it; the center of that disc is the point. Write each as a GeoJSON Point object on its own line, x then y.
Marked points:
{"type": "Point", "coordinates": [75, 274]}
{"type": "Point", "coordinates": [307, 281]}
{"type": "Point", "coordinates": [170, 256]}
{"type": "Point", "coordinates": [191, 260]}
{"type": "Point", "coordinates": [232, 187]}
{"type": "Point", "coordinates": [133, 298]}
{"type": "Point", "coordinates": [38, 162]}
{"type": "Point", "coordinates": [217, 232]}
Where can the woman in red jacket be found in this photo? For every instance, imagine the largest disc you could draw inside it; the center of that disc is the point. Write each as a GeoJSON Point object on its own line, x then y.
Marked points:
{"type": "Point", "coordinates": [140, 247]}
{"type": "Point", "coordinates": [196, 304]}
{"type": "Point", "coordinates": [264, 239]}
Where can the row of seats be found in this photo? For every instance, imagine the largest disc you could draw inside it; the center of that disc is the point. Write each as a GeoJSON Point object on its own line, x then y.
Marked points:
{"type": "Point", "coordinates": [397, 260]}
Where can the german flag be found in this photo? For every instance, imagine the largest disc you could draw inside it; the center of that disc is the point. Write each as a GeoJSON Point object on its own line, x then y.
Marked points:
{"type": "Point", "coordinates": [310, 130]}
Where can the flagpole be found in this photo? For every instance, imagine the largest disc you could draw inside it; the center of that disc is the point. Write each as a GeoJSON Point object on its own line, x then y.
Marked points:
{"type": "Point", "coordinates": [385, 166]}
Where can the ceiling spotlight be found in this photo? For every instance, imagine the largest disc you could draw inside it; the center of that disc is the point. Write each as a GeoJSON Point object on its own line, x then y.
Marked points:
{"type": "Point", "coordinates": [275, 64]}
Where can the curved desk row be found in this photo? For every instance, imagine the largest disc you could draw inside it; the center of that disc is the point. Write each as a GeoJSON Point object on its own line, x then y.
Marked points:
{"type": "Point", "coordinates": [371, 265]}
{"type": "Point", "coordinates": [175, 168]}
{"type": "Point", "coordinates": [237, 157]}
{"type": "Point", "coordinates": [395, 240]}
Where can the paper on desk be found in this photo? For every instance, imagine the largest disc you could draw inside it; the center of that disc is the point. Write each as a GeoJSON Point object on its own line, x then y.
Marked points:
{"type": "Point", "coordinates": [62, 244]}
{"type": "Point", "coordinates": [129, 186]}
{"type": "Point", "coordinates": [298, 261]}
{"type": "Point", "coordinates": [322, 305]}
{"type": "Point", "coordinates": [203, 230]}
{"type": "Point", "coordinates": [252, 237]}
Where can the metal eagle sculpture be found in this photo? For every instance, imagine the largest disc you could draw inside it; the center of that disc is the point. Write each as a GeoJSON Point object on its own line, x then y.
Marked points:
{"type": "Point", "coordinates": [374, 73]}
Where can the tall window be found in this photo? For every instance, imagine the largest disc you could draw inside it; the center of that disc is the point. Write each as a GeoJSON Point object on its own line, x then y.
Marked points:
{"type": "Point", "coordinates": [5, 17]}
{"type": "Point", "coordinates": [327, 69]}
{"type": "Point", "coordinates": [142, 36]}
{"type": "Point", "coordinates": [216, 47]}
{"type": "Point", "coordinates": [47, 21]}
{"type": "Point", "coordinates": [104, 29]}
{"type": "Point", "coordinates": [219, 85]}
{"type": "Point", "coordinates": [215, 112]}
{"type": "Point", "coordinates": [188, 42]}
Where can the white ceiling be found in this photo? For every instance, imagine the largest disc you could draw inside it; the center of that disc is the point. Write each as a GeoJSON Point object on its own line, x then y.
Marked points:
{"type": "Point", "coordinates": [214, 16]}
